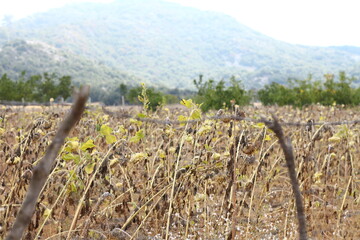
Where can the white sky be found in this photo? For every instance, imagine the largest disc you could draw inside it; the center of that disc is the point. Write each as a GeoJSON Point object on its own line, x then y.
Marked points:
{"type": "Point", "coordinates": [308, 22]}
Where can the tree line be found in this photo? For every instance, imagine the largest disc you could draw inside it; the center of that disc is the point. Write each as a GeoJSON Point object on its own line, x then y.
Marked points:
{"type": "Point", "coordinates": [36, 88]}
{"type": "Point", "coordinates": [210, 94]}
{"type": "Point", "coordinates": [299, 93]}
{"type": "Point", "coordinates": [332, 90]}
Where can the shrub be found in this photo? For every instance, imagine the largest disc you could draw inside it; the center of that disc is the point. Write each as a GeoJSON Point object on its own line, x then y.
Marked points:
{"type": "Point", "coordinates": [154, 98]}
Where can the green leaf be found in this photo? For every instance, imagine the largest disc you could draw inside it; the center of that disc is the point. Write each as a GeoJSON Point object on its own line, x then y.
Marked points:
{"type": "Point", "coordinates": [72, 139]}
{"type": "Point", "coordinates": [267, 137]}
{"type": "Point", "coordinates": [110, 139]}
{"type": "Point", "coordinates": [121, 129]}
{"type": "Point", "coordinates": [182, 118]}
{"type": "Point", "coordinates": [71, 157]}
{"type": "Point", "coordinates": [196, 114]}
{"type": "Point", "coordinates": [259, 125]}
{"type": "Point", "coordinates": [105, 130]}
{"type": "Point", "coordinates": [187, 103]}
{"type": "Point", "coordinates": [87, 145]}
{"type": "Point", "coordinates": [134, 121]}
{"type": "Point", "coordinates": [138, 136]}
{"type": "Point", "coordinates": [89, 168]}
{"type": "Point", "coordinates": [141, 115]}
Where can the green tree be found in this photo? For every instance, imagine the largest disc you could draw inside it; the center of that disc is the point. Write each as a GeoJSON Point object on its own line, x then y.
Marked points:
{"type": "Point", "coordinates": [39, 88]}
{"type": "Point", "coordinates": [64, 87]}
{"type": "Point", "coordinates": [7, 88]}
{"type": "Point", "coordinates": [123, 89]}
{"type": "Point", "coordinates": [305, 92]}
{"type": "Point", "coordinates": [344, 93]}
{"type": "Point", "coordinates": [217, 95]}
{"type": "Point", "coordinates": [276, 93]}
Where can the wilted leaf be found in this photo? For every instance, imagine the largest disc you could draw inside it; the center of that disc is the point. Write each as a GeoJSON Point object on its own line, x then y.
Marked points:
{"type": "Point", "coordinates": [16, 160]}
{"type": "Point", "coordinates": [317, 177]}
{"type": "Point", "coordinates": [47, 212]}
{"type": "Point", "coordinates": [73, 187]}
{"type": "Point", "coordinates": [72, 144]}
{"type": "Point", "coordinates": [89, 168]}
{"type": "Point", "coordinates": [208, 148]}
{"type": "Point", "coordinates": [183, 119]}
{"type": "Point", "coordinates": [172, 149]}
{"type": "Point", "coordinates": [161, 154]}
{"type": "Point", "coordinates": [188, 138]}
{"type": "Point", "coordinates": [216, 156]}
{"type": "Point", "coordinates": [204, 130]}
{"type": "Point", "coordinates": [199, 197]}
{"type": "Point", "coordinates": [105, 118]}
{"type": "Point", "coordinates": [136, 157]}
{"type": "Point", "coordinates": [334, 139]}
{"type": "Point", "coordinates": [113, 162]}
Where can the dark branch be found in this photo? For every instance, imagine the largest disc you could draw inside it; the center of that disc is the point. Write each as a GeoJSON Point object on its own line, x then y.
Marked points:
{"type": "Point", "coordinates": [286, 145]}
{"type": "Point", "coordinates": [43, 168]}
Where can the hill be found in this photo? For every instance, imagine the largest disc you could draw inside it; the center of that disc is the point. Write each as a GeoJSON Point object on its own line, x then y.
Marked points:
{"type": "Point", "coordinates": [169, 44]}
{"type": "Point", "coordinates": [36, 57]}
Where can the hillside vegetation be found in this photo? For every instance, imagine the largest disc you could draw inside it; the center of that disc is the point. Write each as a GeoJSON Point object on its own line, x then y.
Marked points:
{"type": "Point", "coordinates": [168, 45]}
{"type": "Point", "coordinates": [37, 57]}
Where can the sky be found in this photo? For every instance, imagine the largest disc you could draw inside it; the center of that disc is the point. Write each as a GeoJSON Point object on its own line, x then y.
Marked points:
{"type": "Point", "coordinates": [306, 22]}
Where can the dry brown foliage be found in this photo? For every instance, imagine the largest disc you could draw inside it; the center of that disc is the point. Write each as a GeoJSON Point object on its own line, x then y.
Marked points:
{"type": "Point", "coordinates": [218, 179]}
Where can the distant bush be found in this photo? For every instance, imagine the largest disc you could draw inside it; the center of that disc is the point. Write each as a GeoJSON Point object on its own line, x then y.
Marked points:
{"type": "Point", "coordinates": [214, 95]}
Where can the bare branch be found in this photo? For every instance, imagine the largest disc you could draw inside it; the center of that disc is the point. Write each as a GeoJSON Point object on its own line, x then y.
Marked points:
{"type": "Point", "coordinates": [43, 168]}
{"type": "Point", "coordinates": [286, 145]}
